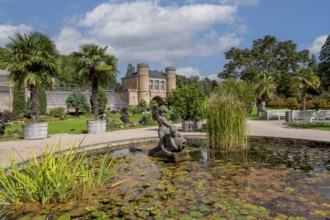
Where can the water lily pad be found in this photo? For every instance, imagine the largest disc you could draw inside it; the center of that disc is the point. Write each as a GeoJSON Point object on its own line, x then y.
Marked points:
{"type": "Point", "coordinates": [195, 214]}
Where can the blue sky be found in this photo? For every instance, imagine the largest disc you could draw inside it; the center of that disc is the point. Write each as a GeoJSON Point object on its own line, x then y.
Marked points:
{"type": "Point", "coordinates": [191, 35]}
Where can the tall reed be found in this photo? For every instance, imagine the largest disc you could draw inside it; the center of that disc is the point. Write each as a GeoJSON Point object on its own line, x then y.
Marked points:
{"type": "Point", "coordinates": [53, 177]}
{"type": "Point", "coordinates": [227, 122]}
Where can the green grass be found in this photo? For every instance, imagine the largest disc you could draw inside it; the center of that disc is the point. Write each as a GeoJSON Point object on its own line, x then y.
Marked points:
{"type": "Point", "coordinates": [79, 125]}
{"type": "Point", "coordinates": [316, 126]}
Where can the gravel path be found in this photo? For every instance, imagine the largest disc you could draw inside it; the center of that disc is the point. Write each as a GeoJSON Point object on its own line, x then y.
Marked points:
{"type": "Point", "coordinates": [26, 148]}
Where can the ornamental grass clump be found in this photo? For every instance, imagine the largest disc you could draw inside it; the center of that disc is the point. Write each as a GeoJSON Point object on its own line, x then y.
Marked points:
{"type": "Point", "coordinates": [227, 126]}
{"type": "Point", "coordinates": [54, 177]}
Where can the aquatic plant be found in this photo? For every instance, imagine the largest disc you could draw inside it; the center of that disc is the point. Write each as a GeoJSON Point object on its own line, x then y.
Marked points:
{"type": "Point", "coordinates": [227, 128]}
{"type": "Point", "coordinates": [53, 177]}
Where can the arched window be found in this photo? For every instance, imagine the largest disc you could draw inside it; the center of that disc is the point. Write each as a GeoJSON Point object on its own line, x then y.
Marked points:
{"type": "Point", "coordinates": [157, 84]}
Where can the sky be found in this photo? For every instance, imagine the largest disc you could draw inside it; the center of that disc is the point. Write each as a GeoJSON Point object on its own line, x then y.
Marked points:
{"type": "Point", "coordinates": [190, 35]}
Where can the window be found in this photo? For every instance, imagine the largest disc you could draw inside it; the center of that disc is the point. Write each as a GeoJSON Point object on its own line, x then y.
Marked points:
{"type": "Point", "coordinates": [162, 85]}
{"type": "Point", "coordinates": [157, 84]}
{"type": "Point", "coordinates": [151, 84]}
{"type": "Point", "coordinates": [133, 100]}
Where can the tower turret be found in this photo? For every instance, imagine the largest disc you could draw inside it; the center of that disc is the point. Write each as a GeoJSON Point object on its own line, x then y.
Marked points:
{"type": "Point", "coordinates": [143, 82]}
{"type": "Point", "coordinates": [170, 73]}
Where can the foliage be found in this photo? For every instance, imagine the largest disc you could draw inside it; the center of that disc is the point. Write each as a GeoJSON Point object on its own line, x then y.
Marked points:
{"type": "Point", "coordinates": [102, 101]}
{"type": "Point", "coordinates": [42, 100]}
{"type": "Point", "coordinates": [188, 102]}
{"type": "Point", "coordinates": [130, 70]}
{"type": "Point", "coordinates": [276, 103]}
{"type": "Point", "coordinates": [227, 122]}
{"type": "Point", "coordinates": [324, 65]}
{"type": "Point", "coordinates": [264, 88]}
{"type": "Point", "coordinates": [57, 112]}
{"type": "Point", "coordinates": [304, 80]}
{"type": "Point", "coordinates": [207, 84]}
{"type": "Point", "coordinates": [94, 65]}
{"type": "Point", "coordinates": [275, 58]}
{"type": "Point", "coordinates": [124, 118]}
{"type": "Point", "coordinates": [77, 101]}
{"type": "Point", "coordinates": [141, 107]}
{"type": "Point", "coordinates": [244, 91]}
{"type": "Point", "coordinates": [18, 100]}
{"type": "Point", "coordinates": [146, 119]}
{"type": "Point", "coordinates": [292, 103]}
{"type": "Point", "coordinates": [31, 59]}
{"type": "Point", "coordinates": [53, 178]}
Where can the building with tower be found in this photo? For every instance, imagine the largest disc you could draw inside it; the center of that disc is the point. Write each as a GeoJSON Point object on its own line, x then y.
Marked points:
{"type": "Point", "coordinates": [148, 85]}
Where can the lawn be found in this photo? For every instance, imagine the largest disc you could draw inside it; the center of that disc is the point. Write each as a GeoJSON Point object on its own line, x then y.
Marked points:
{"type": "Point", "coordinates": [316, 126]}
{"type": "Point", "coordinates": [78, 125]}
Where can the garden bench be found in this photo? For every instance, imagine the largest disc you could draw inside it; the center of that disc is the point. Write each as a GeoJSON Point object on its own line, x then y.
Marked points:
{"type": "Point", "coordinates": [276, 113]}
{"type": "Point", "coordinates": [305, 116]}
{"type": "Point", "coordinates": [323, 115]}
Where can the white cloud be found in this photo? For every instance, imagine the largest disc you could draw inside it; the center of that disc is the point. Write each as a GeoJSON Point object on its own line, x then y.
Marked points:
{"type": "Point", "coordinates": [214, 77]}
{"type": "Point", "coordinates": [7, 31]}
{"type": "Point", "coordinates": [69, 40]}
{"type": "Point", "coordinates": [239, 2]}
{"type": "Point", "coordinates": [189, 72]}
{"type": "Point", "coordinates": [145, 31]}
{"type": "Point", "coordinates": [318, 42]}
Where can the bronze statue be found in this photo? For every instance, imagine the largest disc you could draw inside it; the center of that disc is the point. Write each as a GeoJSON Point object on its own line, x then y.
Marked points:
{"type": "Point", "coordinates": [170, 140]}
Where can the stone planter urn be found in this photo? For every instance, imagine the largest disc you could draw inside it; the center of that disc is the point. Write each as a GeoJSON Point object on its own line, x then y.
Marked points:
{"type": "Point", "coordinates": [198, 125]}
{"type": "Point", "coordinates": [96, 127]}
{"type": "Point", "coordinates": [35, 131]}
{"type": "Point", "coordinates": [187, 125]}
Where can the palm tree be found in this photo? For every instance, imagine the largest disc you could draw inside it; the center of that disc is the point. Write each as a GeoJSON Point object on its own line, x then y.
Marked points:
{"type": "Point", "coordinates": [302, 82]}
{"type": "Point", "coordinates": [31, 59]}
{"type": "Point", "coordinates": [264, 88]}
{"type": "Point", "coordinates": [93, 65]}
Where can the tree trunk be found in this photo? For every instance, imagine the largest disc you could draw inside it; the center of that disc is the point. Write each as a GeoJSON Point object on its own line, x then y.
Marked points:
{"type": "Point", "coordinates": [95, 94]}
{"type": "Point", "coordinates": [303, 102]}
{"type": "Point", "coordinates": [34, 104]}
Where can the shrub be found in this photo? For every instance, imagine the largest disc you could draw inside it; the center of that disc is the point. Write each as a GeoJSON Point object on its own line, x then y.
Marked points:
{"type": "Point", "coordinates": [18, 100]}
{"type": "Point", "coordinates": [276, 103]}
{"type": "Point", "coordinates": [124, 118]}
{"type": "Point", "coordinates": [57, 112]}
{"type": "Point", "coordinates": [145, 120]}
{"type": "Point", "coordinates": [292, 103]}
{"type": "Point", "coordinates": [42, 100]}
{"type": "Point", "coordinates": [77, 101]}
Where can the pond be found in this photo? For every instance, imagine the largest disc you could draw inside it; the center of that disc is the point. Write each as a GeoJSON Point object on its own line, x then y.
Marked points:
{"type": "Point", "coordinates": [268, 182]}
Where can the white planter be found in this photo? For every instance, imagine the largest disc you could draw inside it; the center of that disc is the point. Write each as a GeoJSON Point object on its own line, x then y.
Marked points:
{"type": "Point", "coordinates": [96, 127]}
{"type": "Point", "coordinates": [198, 125]}
{"type": "Point", "coordinates": [35, 131]}
{"type": "Point", "coordinates": [187, 125]}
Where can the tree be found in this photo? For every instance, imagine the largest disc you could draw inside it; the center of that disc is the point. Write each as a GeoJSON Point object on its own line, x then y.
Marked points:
{"type": "Point", "coordinates": [19, 104]}
{"type": "Point", "coordinates": [264, 88]}
{"type": "Point", "coordinates": [31, 59]}
{"type": "Point", "coordinates": [42, 100]}
{"type": "Point", "coordinates": [94, 65]}
{"type": "Point", "coordinates": [324, 65]}
{"type": "Point", "coordinates": [277, 59]}
{"type": "Point", "coordinates": [130, 70]}
{"type": "Point", "coordinates": [304, 80]}
{"type": "Point", "coordinates": [77, 101]}
{"type": "Point", "coordinates": [188, 101]}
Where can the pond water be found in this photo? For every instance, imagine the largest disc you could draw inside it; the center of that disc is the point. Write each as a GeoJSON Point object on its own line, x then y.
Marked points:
{"type": "Point", "coordinates": [279, 182]}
